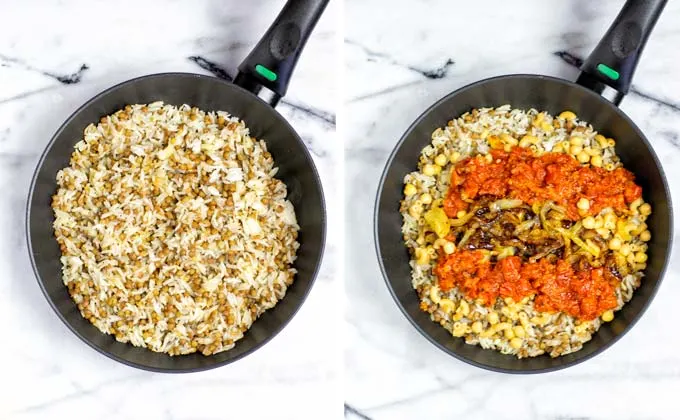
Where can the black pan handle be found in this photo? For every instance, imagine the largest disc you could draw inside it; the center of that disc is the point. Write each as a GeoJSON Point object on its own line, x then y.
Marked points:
{"type": "Point", "coordinates": [272, 61]}
{"type": "Point", "coordinates": [613, 61]}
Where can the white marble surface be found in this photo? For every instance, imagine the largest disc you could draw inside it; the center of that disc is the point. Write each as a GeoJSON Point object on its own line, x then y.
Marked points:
{"type": "Point", "coordinates": [392, 372]}
{"type": "Point", "coordinates": [49, 373]}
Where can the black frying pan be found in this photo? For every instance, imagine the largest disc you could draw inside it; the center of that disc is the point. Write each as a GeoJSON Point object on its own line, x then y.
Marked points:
{"type": "Point", "coordinates": [269, 66]}
{"type": "Point", "coordinates": [616, 54]}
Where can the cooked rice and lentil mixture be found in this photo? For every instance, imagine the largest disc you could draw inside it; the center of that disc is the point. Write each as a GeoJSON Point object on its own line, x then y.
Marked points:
{"type": "Point", "coordinates": [525, 231]}
{"type": "Point", "coordinates": [174, 233]}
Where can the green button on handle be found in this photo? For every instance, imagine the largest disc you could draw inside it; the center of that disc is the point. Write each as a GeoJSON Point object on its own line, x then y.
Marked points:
{"type": "Point", "coordinates": [266, 73]}
{"type": "Point", "coordinates": [608, 71]}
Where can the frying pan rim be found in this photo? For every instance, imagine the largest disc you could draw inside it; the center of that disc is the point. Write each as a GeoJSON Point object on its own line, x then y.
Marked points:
{"type": "Point", "coordinates": [376, 217]}
{"type": "Point", "coordinates": [41, 282]}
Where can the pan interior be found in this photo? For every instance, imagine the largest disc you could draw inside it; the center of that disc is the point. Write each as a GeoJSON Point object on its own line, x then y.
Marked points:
{"type": "Point", "coordinates": [296, 169]}
{"type": "Point", "coordinates": [523, 92]}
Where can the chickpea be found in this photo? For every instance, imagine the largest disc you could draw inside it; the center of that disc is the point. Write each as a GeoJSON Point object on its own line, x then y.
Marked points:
{"type": "Point", "coordinates": [596, 161]}
{"type": "Point", "coordinates": [516, 343]}
{"type": "Point", "coordinates": [640, 257]}
{"type": "Point", "coordinates": [645, 236]}
{"type": "Point", "coordinates": [429, 170]}
{"type": "Point", "coordinates": [645, 209]}
{"type": "Point", "coordinates": [567, 115]}
{"type": "Point", "coordinates": [576, 141]}
{"type": "Point", "coordinates": [592, 152]}
{"type": "Point", "coordinates": [492, 317]}
{"type": "Point", "coordinates": [608, 316]}
{"type": "Point", "coordinates": [575, 150]}
{"type": "Point", "coordinates": [440, 160]}
{"type": "Point", "coordinates": [509, 333]}
{"type": "Point", "coordinates": [625, 250]}
{"type": "Point", "coordinates": [615, 244]}
{"type": "Point", "coordinates": [589, 222]}
{"type": "Point", "coordinates": [609, 221]}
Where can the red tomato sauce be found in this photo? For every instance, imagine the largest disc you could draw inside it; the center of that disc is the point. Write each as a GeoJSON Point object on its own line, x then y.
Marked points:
{"type": "Point", "coordinates": [556, 177]}
{"type": "Point", "coordinates": [557, 287]}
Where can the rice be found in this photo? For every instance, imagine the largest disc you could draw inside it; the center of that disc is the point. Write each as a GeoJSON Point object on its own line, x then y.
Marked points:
{"type": "Point", "coordinates": [175, 235]}
{"type": "Point", "coordinates": [495, 326]}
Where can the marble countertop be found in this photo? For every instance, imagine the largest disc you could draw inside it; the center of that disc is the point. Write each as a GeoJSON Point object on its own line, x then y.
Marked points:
{"type": "Point", "coordinates": [398, 62]}
{"type": "Point", "coordinates": [54, 55]}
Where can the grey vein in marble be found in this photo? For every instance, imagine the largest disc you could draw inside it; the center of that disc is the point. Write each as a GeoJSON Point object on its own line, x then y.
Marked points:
{"type": "Point", "coordinates": [353, 413]}
{"type": "Point", "coordinates": [385, 91]}
{"type": "Point", "coordinates": [318, 114]}
{"type": "Point", "coordinates": [26, 94]}
{"type": "Point", "coordinates": [210, 66]}
{"type": "Point", "coordinates": [80, 392]}
{"type": "Point", "coordinates": [432, 74]}
{"type": "Point", "coordinates": [66, 79]}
